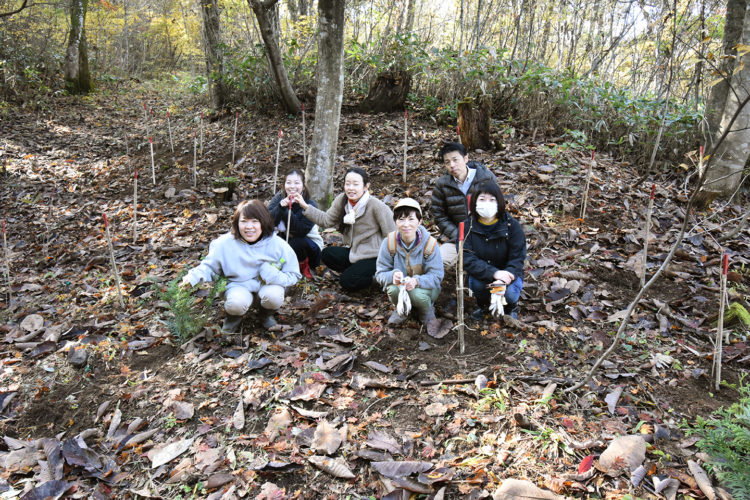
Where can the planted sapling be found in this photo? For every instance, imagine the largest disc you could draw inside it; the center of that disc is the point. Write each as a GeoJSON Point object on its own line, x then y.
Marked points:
{"type": "Point", "coordinates": [112, 261]}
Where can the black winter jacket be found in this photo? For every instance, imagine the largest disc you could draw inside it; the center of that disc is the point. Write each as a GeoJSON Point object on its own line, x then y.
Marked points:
{"type": "Point", "coordinates": [488, 249]}
{"type": "Point", "coordinates": [449, 203]}
{"type": "Point", "coordinates": [301, 225]}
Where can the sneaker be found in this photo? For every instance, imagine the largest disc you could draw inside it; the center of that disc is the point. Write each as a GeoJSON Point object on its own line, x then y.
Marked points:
{"type": "Point", "coordinates": [396, 319]}
{"type": "Point", "coordinates": [268, 320]}
{"type": "Point", "coordinates": [478, 314]}
{"type": "Point", "coordinates": [231, 324]}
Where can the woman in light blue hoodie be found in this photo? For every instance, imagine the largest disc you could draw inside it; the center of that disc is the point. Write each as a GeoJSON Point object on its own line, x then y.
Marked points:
{"type": "Point", "coordinates": [408, 257]}
{"type": "Point", "coordinates": [258, 265]}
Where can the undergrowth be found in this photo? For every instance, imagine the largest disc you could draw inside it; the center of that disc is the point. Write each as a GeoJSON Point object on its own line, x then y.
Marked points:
{"type": "Point", "coordinates": [189, 310]}
{"type": "Point", "coordinates": [725, 438]}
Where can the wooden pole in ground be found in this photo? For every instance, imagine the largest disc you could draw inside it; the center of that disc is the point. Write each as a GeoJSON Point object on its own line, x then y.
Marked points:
{"type": "Point", "coordinates": [195, 158]}
{"type": "Point", "coordinates": [289, 219]}
{"type": "Point", "coordinates": [145, 119]}
{"type": "Point", "coordinates": [7, 262]}
{"type": "Point", "coordinates": [304, 138]}
{"type": "Point", "coordinates": [169, 127]}
{"type": "Point", "coordinates": [153, 167]}
{"type": "Point", "coordinates": [460, 289]}
{"type": "Point", "coordinates": [586, 189]}
{"type": "Point", "coordinates": [112, 261]}
{"type": "Point", "coordinates": [719, 342]}
{"type": "Point", "coordinates": [646, 233]}
{"type": "Point", "coordinates": [234, 136]}
{"type": "Point", "coordinates": [276, 170]}
{"type": "Point", "coordinates": [135, 206]}
{"type": "Point", "coordinates": [201, 144]}
{"type": "Point", "coordinates": [406, 138]}
{"type": "Point", "coordinates": [125, 138]}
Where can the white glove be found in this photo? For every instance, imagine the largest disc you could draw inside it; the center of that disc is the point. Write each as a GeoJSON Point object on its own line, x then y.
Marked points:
{"type": "Point", "coordinates": [497, 301]}
{"type": "Point", "coordinates": [404, 302]}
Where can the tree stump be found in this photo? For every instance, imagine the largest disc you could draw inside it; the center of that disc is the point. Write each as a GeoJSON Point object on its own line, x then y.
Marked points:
{"type": "Point", "coordinates": [388, 93]}
{"type": "Point", "coordinates": [474, 123]}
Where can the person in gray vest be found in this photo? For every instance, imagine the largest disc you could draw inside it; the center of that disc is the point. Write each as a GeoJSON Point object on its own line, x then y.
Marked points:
{"type": "Point", "coordinates": [449, 202]}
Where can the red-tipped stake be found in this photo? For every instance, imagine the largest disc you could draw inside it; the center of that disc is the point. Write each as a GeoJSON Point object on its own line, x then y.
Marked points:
{"type": "Point", "coordinates": [468, 204]}
{"type": "Point", "coordinates": [460, 289]}
{"type": "Point", "coordinates": [646, 233]}
{"type": "Point", "coordinates": [719, 342]}
{"type": "Point", "coordinates": [304, 137]}
{"type": "Point", "coordinates": [406, 137]}
{"type": "Point", "coordinates": [276, 170]}
{"type": "Point", "coordinates": [234, 137]}
{"type": "Point", "coordinates": [153, 167]}
{"type": "Point", "coordinates": [201, 144]}
{"type": "Point", "coordinates": [195, 154]}
{"type": "Point", "coordinates": [112, 261]}
{"type": "Point", "coordinates": [588, 182]}
{"type": "Point", "coordinates": [289, 219]}
{"type": "Point", "coordinates": [135, 207]}
{"type": "Point", "coordinates": [169, 127]}
{"type": "Point", "coordinates": [7, 262]}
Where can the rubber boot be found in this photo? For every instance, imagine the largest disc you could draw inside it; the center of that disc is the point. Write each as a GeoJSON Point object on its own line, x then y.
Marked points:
{"type": "Point", "coordinates": [304, 267]}
{"type": "Point", "coordinates": [267, 318]}
{"type": "Point", "coordinates": [431, 323]}
{"type": "Point", "coordinates": [231, 324]}
{"type": "Point", "coordinates": [396, 318]}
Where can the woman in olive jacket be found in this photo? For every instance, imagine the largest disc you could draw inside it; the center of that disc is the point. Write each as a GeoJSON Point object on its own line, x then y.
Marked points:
{"type": "Point", "coordinates": [494, 249]}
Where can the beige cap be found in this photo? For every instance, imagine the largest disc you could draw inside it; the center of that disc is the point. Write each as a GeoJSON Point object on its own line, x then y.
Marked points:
{"type": "Point", "coordinates": [408, 202]}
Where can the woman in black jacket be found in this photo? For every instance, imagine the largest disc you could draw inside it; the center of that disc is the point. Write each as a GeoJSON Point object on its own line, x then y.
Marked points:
{"type": "Point", "coordinates": [494, 249]}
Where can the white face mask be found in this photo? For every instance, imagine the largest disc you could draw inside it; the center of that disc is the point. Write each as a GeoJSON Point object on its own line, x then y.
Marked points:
{"type": "Point", "coordinates": [487, 209]}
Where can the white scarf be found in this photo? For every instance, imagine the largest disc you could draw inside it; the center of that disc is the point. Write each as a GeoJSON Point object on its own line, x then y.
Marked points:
{"type": "Point", "coordinates": [356, 211]}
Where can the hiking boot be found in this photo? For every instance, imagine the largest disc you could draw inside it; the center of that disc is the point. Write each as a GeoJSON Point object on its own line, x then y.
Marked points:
{"type": "Point", "coordinates": [231, 324]}
{"type": "Point", "coordinates": [427, 316]}
{"type": "Point", "coordinates": [396, 318]}
{"type": "Point", "coordinates": [450, 306]}
{"type": "Point", "coordinates": [511, 309]}
{"type": "Point", "coordinates": [433, 327]}
{"type": "Point", "coordinates": [267, 319]}
{"type": "Point", "coordinates": [478, 314]}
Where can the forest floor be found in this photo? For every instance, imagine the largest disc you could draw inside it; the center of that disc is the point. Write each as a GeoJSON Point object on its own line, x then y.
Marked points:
{"type": "Point", "coordinates": [101, 402]}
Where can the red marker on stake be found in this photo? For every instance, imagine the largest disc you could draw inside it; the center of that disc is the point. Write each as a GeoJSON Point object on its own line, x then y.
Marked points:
{"type": "Point", "coordinates": [719, 341]}
{"type": "Point", "coordinates": [468, 204]}
{"type": "Point", "coordinates": [112, 261]}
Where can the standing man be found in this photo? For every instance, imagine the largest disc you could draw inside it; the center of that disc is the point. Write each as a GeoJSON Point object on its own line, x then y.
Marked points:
{"type": "Point", "coordinates": [449, 204]}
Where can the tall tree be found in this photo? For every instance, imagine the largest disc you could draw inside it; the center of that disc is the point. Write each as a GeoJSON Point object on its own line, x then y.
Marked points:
{"type": "Point", "coordinates": [321, 162]}
{"type": "Point", "coordinates": [729, 159]}
{"type": "Point", "coordinates": [77, 75]}
{"type": "Point", "coordinates": [214, 56]}
{"type": "Point", "coordinates": [267, 15]}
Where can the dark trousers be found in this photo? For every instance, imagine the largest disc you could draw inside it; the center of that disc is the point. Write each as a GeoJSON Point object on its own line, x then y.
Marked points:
{"type": "Point", "coordinates": [482, 293]}
{"type": "Point", "coordinates": [305, 248]}
{"type": "Point", "coordinates": [357, 276]}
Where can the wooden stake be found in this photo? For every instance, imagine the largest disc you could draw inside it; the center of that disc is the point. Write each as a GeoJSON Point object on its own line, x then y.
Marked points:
{"type": "Point", "coordinates": [201, 144]}
{"type": "Point", "coordinates": [112, 261]}
{"type": "Point", "coordinates": [125, 138]}
{"type": "Point", "coordinates": [135, 206]}
{"type": "Point", "coordinates": [719, 342]}
{"type": "Point", "coordinates": [7, 262]}
{"type": "Point", "coordinates": [647, 232]}
{"type": "Point", "coordinates": [460, 289]}
{"type": "Point", "coordinates": [289, 219]}
{"type": "Point", "coordinates": [234, 137]}
{"type": "Point", "coordinates": [169, 126]}
{"type": "Point", "coordinates": [276, 170]}
{"type": "Point", "coordinates": [195, 167]}
{"type": "Point", "coordinates": [153, 167]}
{"type": "Point", "coordinates": [304, 138]}
{"type": "Point", "coordinates": [406, 136]}
{"type": "Point", "coordinates": [586, 190]}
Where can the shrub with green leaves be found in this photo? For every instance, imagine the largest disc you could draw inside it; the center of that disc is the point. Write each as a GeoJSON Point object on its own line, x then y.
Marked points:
{"type": "Point", "coordinates": [188, 312]}
{"type": "Point", "coordinates": [725, 438]}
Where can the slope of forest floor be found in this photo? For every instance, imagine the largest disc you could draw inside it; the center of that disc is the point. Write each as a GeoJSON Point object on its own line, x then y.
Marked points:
{"type": "Point", "coordinates": [100, 402]}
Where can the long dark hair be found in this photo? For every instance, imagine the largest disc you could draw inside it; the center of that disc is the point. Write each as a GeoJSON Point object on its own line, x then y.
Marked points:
{"type": "Point", "coordinates": [491, 188]}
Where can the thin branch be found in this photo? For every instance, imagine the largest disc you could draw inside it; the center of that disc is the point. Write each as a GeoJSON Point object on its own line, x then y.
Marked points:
{"type": "Point", "coordinates": [8, 14]}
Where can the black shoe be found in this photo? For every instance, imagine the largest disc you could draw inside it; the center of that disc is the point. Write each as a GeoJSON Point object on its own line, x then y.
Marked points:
{"type": "Point", "coordinates": [231, 324]}
{"type": "Point", "coordinates": [450, 306]}
{"type": "Point", "coordinates": [478, 314]}
{"type": "Point", "coordinates": [511, 309]}
{"type": "Point", "coordinates": [268, 319]}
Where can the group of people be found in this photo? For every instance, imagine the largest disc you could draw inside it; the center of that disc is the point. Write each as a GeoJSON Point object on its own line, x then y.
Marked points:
{"type": "Point", "coordinates": [271, 247]}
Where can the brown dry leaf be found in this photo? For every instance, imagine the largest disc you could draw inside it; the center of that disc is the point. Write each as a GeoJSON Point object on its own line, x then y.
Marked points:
{"type": "Point", "coordinates": [306, 392]}
{"type": "Point", "coordinates": [327, 438]}
{"type": "Point", "coordinates": [334, 466]}
{"type": "Point", "coordinates": [278, 422]}
{"type": "Point", "coordinates": [238, 418]}
{"type": "Point", "coordinates": [513, 489]}
{"type": "Point", "coordinates": [169, 452]}
{"type": "Point", "coordinates": [182, 410]}
{"type": "Point", "coordinates": [630, 450]}
{"type": "Point", "coordinates": [396, 469]}
{"type": "Point", "coordinates": [436, 409]}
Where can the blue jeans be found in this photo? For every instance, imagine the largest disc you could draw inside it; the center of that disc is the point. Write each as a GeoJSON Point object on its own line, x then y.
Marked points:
{"type": "Point", "coordinates": [482, 293]}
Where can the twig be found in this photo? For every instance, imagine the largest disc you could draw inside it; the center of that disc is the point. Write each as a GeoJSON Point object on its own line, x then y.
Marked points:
{"type": "Point", "coordinates": [450, 381]}
{"type": "Point", "coordinates": [460, 289]}
{"type": "Point", "coordinates": [201, 127]}
{"type": "Point", "coordinates": [135, 206]}
{"type": "Point", "coordinates": [586, 189]}
{"type": "Point", "coordinates": [7, 262]}
{"type": "Point", "coordinates": [276, 169]}
{"type": "Point", "coordinates": [406, 137]}
{"type": "Point", "coordinates": [195, 153]}
{"type": "Point", "coordinates": [304, 137]}
{"type": "Point", "coordinates": [234, 136]}
{"type": "Point", "coordinates": [719, 343]}
{"type": "Point", "coordinates": [112, 261]}
{"type": "Point", "coordinates": [153, 167]}
{"type": "Point", "coordinates": [646, 234]}
{"type": "Point", "coordinates": [169, 126]}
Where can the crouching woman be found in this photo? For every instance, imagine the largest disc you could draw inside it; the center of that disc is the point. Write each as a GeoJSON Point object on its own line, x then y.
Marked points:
{"type": "Point", "coordinates": [409, 257]}
{"type": "Point", "coordinates": [258, 266]}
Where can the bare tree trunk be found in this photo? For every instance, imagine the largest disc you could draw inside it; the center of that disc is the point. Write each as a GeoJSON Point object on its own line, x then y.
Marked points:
{"type": "Point", "coordinates": [725, 171]}
{"type": "Point", "coordinates": [291, 6]}
{"type": "Point", "coordinates": [410, 16]}
{"type": "Point", "coordinates": [214, 57]}
{"type": "Point", "coordinates": [77, 75]}
{"type": "Point", "coordinates": [320, 163]}
{"type": "Point", "coordinates": [270, 35]}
